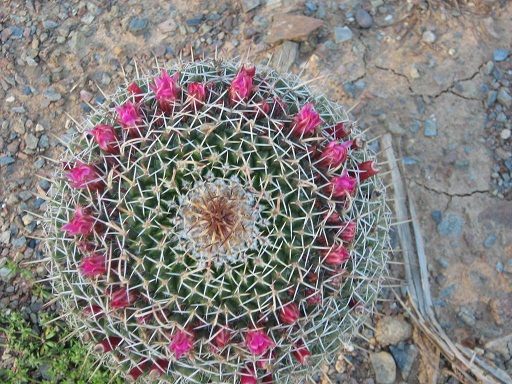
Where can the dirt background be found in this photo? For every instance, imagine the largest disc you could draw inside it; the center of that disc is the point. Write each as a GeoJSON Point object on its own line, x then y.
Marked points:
{"type": "Point", "coordinates": [434, 74]}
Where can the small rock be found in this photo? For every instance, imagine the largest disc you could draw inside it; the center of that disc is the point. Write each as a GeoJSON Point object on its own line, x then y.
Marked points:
{"type": "Point", "coordinates": [31, 141]}
{"type": "Point", "coordinates": [287, 55]}
{"type": "Point", "coordinates": [451, 225]}
{"type": "Point", "coordinates": [44, 141]}
{"type": "Point", "coordinates": [500, 54]}
{"type": "Point", "coordinates": [466, 316]}
{"type": "Point", "coordinates": [52, 95]}
{"type": "Point", "coordinates": [501, 310]}
{"type": "Point", "coordinates": [291, 27]}
{"type": "Point", "coordinates": [491, 98]}
{"type": "Point", "coordinates": [415, 74]}
{"type": "Point", "coordinates": [50, 24]}
{"type": "Point", "coordinates": [430, 128]}
{"type": "Point", "coordinates": [384, 367]}
{"type": "Point", "coordinates": [504, 98]}
{"type": "Point", "coordinates": [20, 242]}
{"type": "Point", "coordinates": [489, 67]}
{"type": "Point", "coordinates": [5, 237]}
{"type": "Point", "coordinates": [396, 129]}
{"type": "Point", "coordinates": [490, 240]}
{"type": "Point", "coordinates": [342, 34]}
{"type": "Point", "coordinates": [505, 134]}
{"type": "Point", "coordinates": [392, 330]}
{"type": "Point", "coordinates": [363, 18]}
{"type": "Point", "coordinates": [429, 37]}
{"type": "Point", "coordinates": [404, 355]}
{"type": "Point", "coordinates": [437, 216]}
{"type": "Point", "coordinates": [248, 5]}
{"type": "Point", "coordinates": [6, 160]}
{"type": "Point", "coordinates": [138, 25]}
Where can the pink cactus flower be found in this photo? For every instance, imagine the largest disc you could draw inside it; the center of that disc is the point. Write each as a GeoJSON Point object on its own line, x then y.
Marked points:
{"type": "Point", "coordinates": [137, 93]}
{"type": "Point", "coordinates": [341, 186]}
{"type": "Point", "coordinates": [301, 353]}
{"type": "Point", "coordinates": [196, 95]}
{"type": "Point", "coordinates": [222, 338]}
{"type": "Point", "coordinates": [336, 255]}
{"type": "Point", "coordinates": [123, 297]}
{"type": "Point", "coordinates": [107, 138]}
{"type": "Point", "coordinates": [306, 121]}
{"type": "Point", "coordinates": [93, 265]}
{"type": "Point", "coordinates": [348, 231]}
{"type": "Point", "coordinates": [248, 376]}
{"type": "Point", "coordinates": [258, 342]}
{"type": "Point", "coordinates": [95, 311]}
{"type": "Point", "coordinates": [81, 224]}
{"type": "Point", "coordinates": [130, 118]}
{"type": "Point", "coordinates": [86, 176]}
{"type": "Point", "coordinates": [166, 91]}
{"type": "Point", "coordinates": [333, 155]}
{"type": "Point", "coordinates": [242, 86]}
{"type": "Point", "coordinates": [367, 169]}
{"type": "Point", "coordinates": [182, 343]}
{"type": "Point", "coordinates": [340, 130]}
{"type": "Point", "coordinates": [268, 379]}
{"type": "Point", "coordinates": [289, 313]}
{"type": "Point", "coordinates": [108, 344]}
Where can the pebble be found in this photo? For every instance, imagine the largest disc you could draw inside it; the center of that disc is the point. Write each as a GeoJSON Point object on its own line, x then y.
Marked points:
{"type": "Point", "coordinates": [466, 316]}
{"type": "Point", "coordinates": [138, 25]}
{"type": "Point", "coordinates": [491, 98]}
{"type": "Point", "coordinates": [5, 160]}
{"type": "Point", "coordinates": [31, 141]}
{"type": "Point", "coordinates": [44, 141]}
{"type": "Point", "coordinates": [384, 367]}
{"type": "Point", "coordinates": [52, 95]}
{"type": "Point", "coordinates": [19, 242]}
{"type": "Point", "coordinates": [50, 24]}
{"type": "Point", "coordinates": [451, 225]}
{"type": "Point", "coordinates": [5, 237]}
{"type": "Point", "coordinates": [415, 74]}
{"type": "Point", "coordinates": [392, 330]}
{"type": "Point", "coordinates": [504, 98]}
{"type": "Point", "coordinates": [342, 34]}
{"type": "Point", "coordinates": [430, 128]}
{"type": "Point", "coordinates": [363, 18]}
{"type": "Point", "coordinates": [489, 67]}
{"type": "Point", "coordinates": [505, 134]}
{"type": "Point", "coordinates": [429, 37]}
{"type": "Point", "coordinates": [490, 240]}
{"type": "Point", "coordinates": [404, 355]}
{"type": "Point", "coordinates": [248, 5]}
{"type": "Point", "coordinates": [500, 54]}
{"type": "Point", "coordinates": [396, 129]}
{"type": "Point", "coordinates": [437, 216]}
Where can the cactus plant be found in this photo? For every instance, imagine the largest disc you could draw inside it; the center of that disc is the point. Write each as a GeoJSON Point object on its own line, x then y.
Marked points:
{"type": "Point", "coordinates": [217, 222]}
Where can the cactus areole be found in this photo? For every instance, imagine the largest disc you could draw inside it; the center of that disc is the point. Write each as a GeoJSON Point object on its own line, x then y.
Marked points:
{"type": "Point", "coordinates": [217, 223]}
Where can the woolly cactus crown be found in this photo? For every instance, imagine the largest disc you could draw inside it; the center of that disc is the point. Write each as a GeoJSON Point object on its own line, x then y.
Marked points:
{"type": "Point", "coordinates": [217, 223]}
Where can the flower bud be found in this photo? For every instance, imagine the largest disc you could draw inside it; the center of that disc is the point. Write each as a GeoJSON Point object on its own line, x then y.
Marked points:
{"type": "Point", "coordinates": [289, 313]}
{"type": "Point", "coordinates": [107, 138]}
{"type": "Point", "coordinates": [196, 95]}
{"type": "Point", "coordinates": [123, 297]}
{"type": "Point", "coordinates": [336, 255]}
{"type": "Point", "coordinates": [247, 376]}
{"type": "Point", "coordinates": [108, 344]}
{"type": "Point", "coordinates": [348, 231]}
{"type": "Point", "coordinates": [166, 91]}
{"type": "Point", "coordinates": [137, 93]}
{"type": "Point", "coordinates": [367, 169]}
{"type": "Point", "coordinates": [340, 130]}
{"type": "Point", "coordinates": [182, 343]}
{"type": "Point", "coordinates": [93, 265]}
{"type": "Point", "coordinates": [222, 338]}
{"type": "Point", "coordinates": [301, 352]}
{"type": "Point", "coordinates": [305, 121]}
{"type": "Point", "coordinates": [341, 186]}
{"type": "Point", "coordinates": [333, 155]}
{"type": "Point", "coordinates": [158, 368]}
{"type": "Point", "coordinates": [130, 118]}
{"type": "Point", "coordinates": [81, 224]}
{"type": "Point", "coordinates": [258, 342]}
{"type": "Point", "coordinates": [137, 371]}
{"type": "Point", "coordinates": [86, 176]}
{"type": "Point", "coordinates": [95, 311]}
{"type": "Point", "coordinates": [241, 87]}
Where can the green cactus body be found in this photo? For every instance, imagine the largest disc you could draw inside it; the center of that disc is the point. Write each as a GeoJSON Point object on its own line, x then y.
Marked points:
{"type": "Point", "coordinates": [222, 225]}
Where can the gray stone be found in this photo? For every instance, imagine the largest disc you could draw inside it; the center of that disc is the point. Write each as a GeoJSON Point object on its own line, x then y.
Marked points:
{"type": "Point", "coordinates": [138, 25]}
{"type": "Point", "coordinates": [429, 37]}
{"type": "Point", "coordinates": [363, 18]}
{"type": "Point", "coordinates": [392, 330]}
{"type": "Point", "coordinates": [430, 128]}
{"type": "Point", "coordinates": [5, 274]}
{"type": "Point", "coordinates": [44, 141]}
{"type": "Point", "coordinates": [291, 27]}
{"type": "Point", "coordinates": [5, 237]}
{"type": "Point", "coordinates": [500, 54]}
{"type": "Point", "coordinates": [16, 32]}
{"type": "Point", "coordinates": [466, 316]}
{"type": "Point", "coordinates": [384, 367]}
{"type": "Point", "coordinates": [505, 134]}
{"type": "Point", "coordinates": [342, 34]}
{"type": "Point", "coordinates": [415, 126]}
{"type": "Point", "coordinates": [396, 129]}
{"type": "Point", "coordinates": [489, 67]}
{"type": "Point", "coordinates": [31, 141]}
{"type": "Point", "coordinates": [5, 160]}
{"type": "Point", "coordinates": [451, 225]}
{"type": "Point", "coordinates": [504, 98]}
{"type": "Point", "coordinates": [50, 24]}
{"type": "Point", "coordinates": [437, 216]}
{"type": "Point", "coordinates": [286, 56]}
{"type": "Point", "coordinates": [491, 98]}
{"type": "Point", "coordinates": [490, 240]}
{"type": "Point", "coordinates": [19, 242]}
{"type": "Point", "coordinates": [248, 5]}
{"type": "Point", "coordinates": [404, 355]}
{"type": "Point", "coordinates": [51, 94]}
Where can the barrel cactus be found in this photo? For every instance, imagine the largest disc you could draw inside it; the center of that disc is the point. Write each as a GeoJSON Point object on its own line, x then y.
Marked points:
{"type": "Point", "coordinates": [217, 223]}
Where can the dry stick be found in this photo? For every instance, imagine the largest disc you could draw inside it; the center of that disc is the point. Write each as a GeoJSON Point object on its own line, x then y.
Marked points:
{"type": "Point", "coordinates": [420, 307]}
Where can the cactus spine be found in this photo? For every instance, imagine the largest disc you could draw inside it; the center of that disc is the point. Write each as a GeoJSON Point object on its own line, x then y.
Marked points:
{"type": "Point", "coordinates": [217, 223]}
